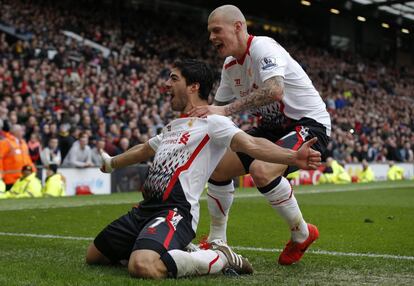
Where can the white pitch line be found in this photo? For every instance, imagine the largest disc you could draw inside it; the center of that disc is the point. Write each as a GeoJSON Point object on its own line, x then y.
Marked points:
{"type": "Point", "coordinates": [332, 253]}
{"type": "Point", "coordinates": [257, 249]}
{"type": "Point", "coordinates": [52, 236]}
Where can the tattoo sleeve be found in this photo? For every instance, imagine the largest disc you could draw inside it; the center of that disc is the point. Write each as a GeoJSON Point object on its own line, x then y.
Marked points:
{"type": "Point", "coordinates": [271, 91]}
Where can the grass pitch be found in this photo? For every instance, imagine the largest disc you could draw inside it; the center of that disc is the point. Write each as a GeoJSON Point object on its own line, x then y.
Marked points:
{"type": "Point", "coordinates": [366, 238]}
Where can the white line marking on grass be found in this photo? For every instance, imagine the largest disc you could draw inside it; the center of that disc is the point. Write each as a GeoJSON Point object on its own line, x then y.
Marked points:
{"type": "Point", "coordinates": [257, 249]}
{"type": "Point", "coordinates": [52, 236]}
{"type": "Point", "coordinates": [332, 253]}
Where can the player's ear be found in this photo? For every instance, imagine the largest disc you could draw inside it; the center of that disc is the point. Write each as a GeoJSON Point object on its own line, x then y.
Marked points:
{"type": "Point", "coordinates": [238, 26]}
{"type": "Point", "coordinates": [195, 87]}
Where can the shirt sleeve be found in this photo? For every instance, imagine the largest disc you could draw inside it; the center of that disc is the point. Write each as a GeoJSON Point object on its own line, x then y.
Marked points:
{"type": "Point", "coordinates": [155, 142]}
{"type": "Point", "coordinates": [271, 59]}
{"type": "Point", "coordinates": [224, 92]}
{"type": "Point", "coordinates": [221, 129]}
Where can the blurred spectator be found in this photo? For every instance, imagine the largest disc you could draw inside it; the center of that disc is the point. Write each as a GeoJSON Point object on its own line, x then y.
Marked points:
{"type": "Point", "coordinates": [366, 174]}
{"type": "Point", "coordinates": [2, 132]}
{"type": "Point", "coordinates": [395, 172]}
{"type": "Point", "coordinates": [14, 154]}
{"type": "Point", "coordinates": [65, 139]}
{"type": "Point", "coordinates": [96, 152]}
{"type": "Point", "coordinates": [51, 154]}
{"type": "Point", "coordinates": [35, 148]}
{"type": "Point", "coordinates": [80, 154]}
{"type": "Point", "coordinates": [123, 145]}
{"type": "Point", "coordinates": [55, 183]}
{"type": "Point", "coordinates": [334, 173]}
{"type": "Point", "coordinates": [28, 186]}
{"type": "Point", "coordinates": [110, 147]}
{"type": "Point", "coordinates": [393, 153]}
{"type": "Point", "coordinates": [406, 153]}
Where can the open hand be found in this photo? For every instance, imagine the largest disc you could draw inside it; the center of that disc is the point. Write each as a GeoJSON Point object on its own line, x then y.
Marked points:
{"type": "Point", "coordinates": [307, 158]}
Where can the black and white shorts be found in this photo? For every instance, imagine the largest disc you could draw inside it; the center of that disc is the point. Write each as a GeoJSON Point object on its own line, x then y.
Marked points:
{"type": "Point", "coordinates": [293, 137]}
{"type": "Point", "coordinates": [161, 232]}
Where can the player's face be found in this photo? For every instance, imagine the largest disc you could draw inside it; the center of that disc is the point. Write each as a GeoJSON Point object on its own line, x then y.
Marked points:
{"type": "Point", "coordinates": [223, 36]}
{"type": "Point", "coordinates": [177, 88]}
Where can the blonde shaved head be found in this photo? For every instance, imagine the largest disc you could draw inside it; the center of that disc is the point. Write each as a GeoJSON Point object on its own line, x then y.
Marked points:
{"type": "Point", "coordinates": [228, 13]}
{"type": "Point", "coordinates": [228, 31]}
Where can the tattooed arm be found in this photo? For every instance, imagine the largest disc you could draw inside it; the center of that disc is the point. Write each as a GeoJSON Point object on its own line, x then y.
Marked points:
{"type": "Point", "coordinates": [271, 91]}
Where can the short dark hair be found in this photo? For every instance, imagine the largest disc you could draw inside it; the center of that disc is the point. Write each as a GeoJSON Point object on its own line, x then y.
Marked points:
{"type": "Point", "coordinates": [195, 71]}
{"type": "Point", "coordinates": [27, 168]}
{"type": "Point", "coordinates": [53, 167]}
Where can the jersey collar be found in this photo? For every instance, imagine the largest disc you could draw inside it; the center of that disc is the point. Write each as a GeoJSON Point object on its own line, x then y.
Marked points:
{"type": "Point", "coordinates": [247, 52]}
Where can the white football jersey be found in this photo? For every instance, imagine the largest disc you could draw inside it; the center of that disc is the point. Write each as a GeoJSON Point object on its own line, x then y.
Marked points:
{"type": "Point", "coordinates": [187, 152]}
{"type": "Point", "coordinates": [264, 59]}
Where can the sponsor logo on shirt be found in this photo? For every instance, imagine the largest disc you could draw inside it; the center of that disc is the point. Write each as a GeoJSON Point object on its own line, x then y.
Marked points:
{"type": "Point", "coordinates": [151, 230]}
{"type": "Point", "coordinates": [268, 63]}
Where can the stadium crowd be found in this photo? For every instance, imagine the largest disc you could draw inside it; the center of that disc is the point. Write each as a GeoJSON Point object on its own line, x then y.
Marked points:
{"type": "Point", "coordinates": [71, 101]}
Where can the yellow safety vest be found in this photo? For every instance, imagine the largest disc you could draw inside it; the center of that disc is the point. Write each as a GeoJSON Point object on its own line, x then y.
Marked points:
{"type": "Point", "coordinates": [29, 187]}
{"type": "Point", "coordinates": [2, 186]}
{"type": "Point", "coordinates": [366, 176]}
{"type": "Point", "coordinates": [54, 186]}
{"type": "Point", "coordinates": [395, 173]}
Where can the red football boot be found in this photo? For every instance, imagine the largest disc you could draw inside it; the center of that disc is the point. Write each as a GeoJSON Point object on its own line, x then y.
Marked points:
{"type": "Point", "coordinates": [294, 251]}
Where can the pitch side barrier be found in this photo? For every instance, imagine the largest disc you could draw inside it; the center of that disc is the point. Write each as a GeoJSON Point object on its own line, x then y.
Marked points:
{"type": "Point", "coordinates": [132, 178]}
{"type": "Point", "coordinates": [380, 172]}
{"type": "Point", "coordinates": [127, 179]}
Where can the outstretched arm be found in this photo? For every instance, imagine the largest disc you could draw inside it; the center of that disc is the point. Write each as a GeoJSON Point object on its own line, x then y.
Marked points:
{"type": "Point", "coordinates": [271, 91]}
{"type": "Point", "coordinates": [134, 155]}
{"type": "Point", "coordinates": [264, 150]}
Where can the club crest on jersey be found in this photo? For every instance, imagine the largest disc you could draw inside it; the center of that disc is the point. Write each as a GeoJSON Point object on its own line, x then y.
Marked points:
{"type": "Point", "coordinates": [237, 82]}
{"type": "Point", "coordinates": [175, 219]}
{"type": "Point", "coordinates": [268, 63]}
{"type": "Point", "coordinates": [303, 132]}
{"type": "Point", "coordinates": [184, 138]}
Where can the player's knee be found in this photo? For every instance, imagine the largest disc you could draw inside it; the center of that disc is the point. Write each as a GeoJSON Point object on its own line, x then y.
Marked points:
{"type": "Point", "coordinates": [259, 174]}
{"type": "Point", "coordinates": [263, 173]}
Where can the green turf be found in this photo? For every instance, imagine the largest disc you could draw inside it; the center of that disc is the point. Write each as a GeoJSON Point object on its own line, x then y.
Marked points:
{"type": "Point", "coordinates": [370, 219]}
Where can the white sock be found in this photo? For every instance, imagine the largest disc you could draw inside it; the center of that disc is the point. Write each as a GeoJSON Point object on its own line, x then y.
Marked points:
{"type": "Point", "coordinates": [283, 200]}
{"type": "Point", "coordinates": [219, 200]}
{"type": "Point", "coordinates": [200, 262]}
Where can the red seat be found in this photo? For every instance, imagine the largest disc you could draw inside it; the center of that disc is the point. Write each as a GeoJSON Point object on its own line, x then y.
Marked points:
{"type": "Point", "coordinates": [83, 190]}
